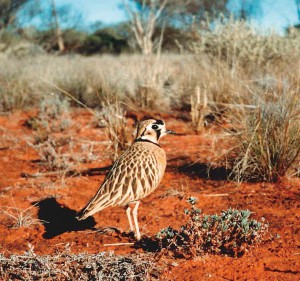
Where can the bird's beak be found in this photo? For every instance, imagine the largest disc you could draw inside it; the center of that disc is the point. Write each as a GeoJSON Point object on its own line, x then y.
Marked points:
{"type": "Point", "coordinates": [169, 132]}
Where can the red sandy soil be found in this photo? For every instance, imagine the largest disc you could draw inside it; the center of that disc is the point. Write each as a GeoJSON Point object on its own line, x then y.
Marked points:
{"type": "Point", "coordinates": [60, 197]}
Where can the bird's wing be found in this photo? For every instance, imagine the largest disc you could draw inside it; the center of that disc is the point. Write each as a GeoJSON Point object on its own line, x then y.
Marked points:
{"type": "Point", "coordinates": [133, 176]}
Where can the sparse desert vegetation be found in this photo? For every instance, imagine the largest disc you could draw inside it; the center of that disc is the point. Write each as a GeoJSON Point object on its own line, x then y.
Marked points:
{"type": "Point", "coordinates": [231, 233]}
{"type": "Point", "coordinates": [232, 95]}
{"type": "Point", "coordinates": [68, 266]}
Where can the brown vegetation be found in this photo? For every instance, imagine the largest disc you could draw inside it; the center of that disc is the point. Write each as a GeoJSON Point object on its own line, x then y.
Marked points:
{"type": "Point", "coordinates": [236, 89]}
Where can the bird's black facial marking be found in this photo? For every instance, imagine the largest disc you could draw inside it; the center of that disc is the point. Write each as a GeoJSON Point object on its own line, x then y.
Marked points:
{"type": "Point", "coordinates": [159, 122]}
{"type": "Point", "coordinates": [155, 127]}
{"type": "Point", "coordinates": [143, 133]}
{"type": "Point", "coordinates": [158, 133]}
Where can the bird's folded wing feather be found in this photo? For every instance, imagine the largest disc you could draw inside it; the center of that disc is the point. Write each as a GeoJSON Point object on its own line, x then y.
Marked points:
{"type": "Point", "coordinates": [133, 176]}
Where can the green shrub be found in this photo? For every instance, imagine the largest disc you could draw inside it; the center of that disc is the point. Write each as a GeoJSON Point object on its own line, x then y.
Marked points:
{"type": "Point", "coordinates": [231, 233]}
{"type": "Point", "coordinates": [104, 41]}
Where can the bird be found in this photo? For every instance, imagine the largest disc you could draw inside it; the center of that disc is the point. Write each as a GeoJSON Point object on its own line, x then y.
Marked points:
{"type": "Point", "coordinates": [134, 175]}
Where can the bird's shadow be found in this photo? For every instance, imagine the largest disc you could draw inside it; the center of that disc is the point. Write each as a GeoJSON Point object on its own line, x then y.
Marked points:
{"type": "Point", "coordinates": [58, 219]}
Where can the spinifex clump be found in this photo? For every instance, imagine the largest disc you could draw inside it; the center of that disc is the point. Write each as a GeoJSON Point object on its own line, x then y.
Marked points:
{"type": "Point", "coordinates": [268, 141]}
{"type": "Point", "coordinates": [231, 233]}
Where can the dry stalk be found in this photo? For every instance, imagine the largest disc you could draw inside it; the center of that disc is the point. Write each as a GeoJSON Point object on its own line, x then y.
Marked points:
{"type": "Point", "coordinates": [115, 122]}
{"type": "Point", "coordinates": [198, 109]}
{"type": "Point", "coordinates": [20, 217]}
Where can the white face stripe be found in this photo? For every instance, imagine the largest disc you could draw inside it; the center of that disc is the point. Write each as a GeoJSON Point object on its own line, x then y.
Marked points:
{"type": "Point", "coordinates": [152, 134]}
{"type": "Point", "coordinates": [146, 132]}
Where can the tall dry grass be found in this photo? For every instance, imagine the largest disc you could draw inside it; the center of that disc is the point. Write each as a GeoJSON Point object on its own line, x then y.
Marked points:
{"type": "Point", "coordinates": [268, 139]}
{"type": "Point", "coordinates": [113, 117]}
{"type": "Point", "coordinates": [234, 66]}
{"type": "Point", "coordinates": [166, 83]}
{"type": "Point", "coordinates": [24, 82]}
{"type": "Point", "coordinates": [258, 82]}
{"type": "Point", "coordinates": [240, 57]}
{"type": "Point", "coordinates": [198, 109]}
{"type": "Point", "coordinates": [241, 45]}
{"type": "Point", "coordinates": [222, 63]}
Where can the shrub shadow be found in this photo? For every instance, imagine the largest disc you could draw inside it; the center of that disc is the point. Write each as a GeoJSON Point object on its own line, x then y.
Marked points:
{"type": "Point", "coordinates": [201, 170]}
{"type": "Point", "coordinates": [148, 244]}
{"type": "Point", "coordinates": [96, 171]}
{"type": "Point", "coordinates": [72, 173]}
{"type": "Point", "coordinates": [204, 170]}
{"type": "Point", "coordinates": [58, 219]}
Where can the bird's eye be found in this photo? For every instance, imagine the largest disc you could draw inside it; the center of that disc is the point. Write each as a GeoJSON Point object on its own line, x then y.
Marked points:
{"type": "Point", "coordinates": [154, 127]}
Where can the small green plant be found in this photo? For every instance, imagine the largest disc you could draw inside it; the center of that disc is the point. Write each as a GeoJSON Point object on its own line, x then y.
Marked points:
{"type": "Point", "coordinates": [231, 233]}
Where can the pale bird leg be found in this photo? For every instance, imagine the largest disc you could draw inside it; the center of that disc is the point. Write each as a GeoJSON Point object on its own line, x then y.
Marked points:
{"type": "Point", "coordinates": [135, 219]}
{"type": "Point", "coordinates": [128, 210]}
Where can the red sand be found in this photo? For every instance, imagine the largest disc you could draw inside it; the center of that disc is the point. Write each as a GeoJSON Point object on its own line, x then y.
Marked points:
{"type": "Point", "coordinates": [278, 203]}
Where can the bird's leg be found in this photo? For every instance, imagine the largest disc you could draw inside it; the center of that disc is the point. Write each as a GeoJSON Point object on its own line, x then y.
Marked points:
{"type": "Point", "coordinates": [128, 211]}
{"type": "Point", "coordinates": [135, 219]}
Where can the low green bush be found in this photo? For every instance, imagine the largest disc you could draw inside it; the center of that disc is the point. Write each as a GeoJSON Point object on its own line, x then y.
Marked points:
{"type": "Point", "coordinates": [231, 233]}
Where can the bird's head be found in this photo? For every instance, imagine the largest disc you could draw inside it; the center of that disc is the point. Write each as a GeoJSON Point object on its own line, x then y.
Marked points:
{"type": "Point", "coordinates": [152, 130]}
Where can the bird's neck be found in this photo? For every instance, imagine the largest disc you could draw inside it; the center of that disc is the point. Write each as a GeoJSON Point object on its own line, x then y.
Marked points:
{"type": "Point", "coordinates": [146, 140]}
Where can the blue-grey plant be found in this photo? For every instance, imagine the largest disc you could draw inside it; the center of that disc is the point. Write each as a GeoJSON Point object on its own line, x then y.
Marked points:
{"type": "Point", "coordinates": [232, 233]}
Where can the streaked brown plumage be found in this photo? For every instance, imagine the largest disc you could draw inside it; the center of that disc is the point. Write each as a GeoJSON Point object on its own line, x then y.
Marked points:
{"type": "Point", "coordinates": [134, 175]}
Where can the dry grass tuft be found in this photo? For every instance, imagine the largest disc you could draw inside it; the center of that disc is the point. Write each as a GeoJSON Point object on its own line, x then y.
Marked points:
{"type": "Point", "coordinates": [268, 140]}
{"type": "Point", "coordinates": [67, 266]}
{"type": "Point", "coordinates": [241, 46]}
{"type": "Point", "coordinates": [17, 218]}
{"type": "Point", "coordinates": [49, 117]}
{"type": "Point", "coordinates": [62, 154]}
{"type": "Point", "coordinates": [113, 117]}
{"type": "Point", "coordinates": [52, 156]}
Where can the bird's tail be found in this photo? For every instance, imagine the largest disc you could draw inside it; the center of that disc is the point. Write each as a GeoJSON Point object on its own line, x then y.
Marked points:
{"type": "Point", "coordinates": [85, 212]}
{"type": "Point", "coordinates": [81, 215]}
{"type": "Point", "coordinates": [90, 209]}
{"type": "Point", "coordinates": [96, 204]}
